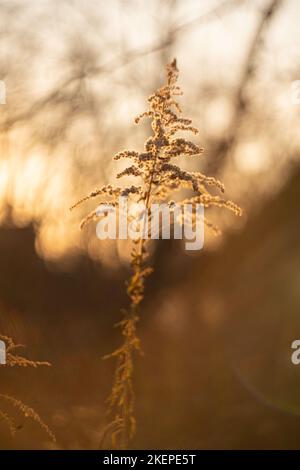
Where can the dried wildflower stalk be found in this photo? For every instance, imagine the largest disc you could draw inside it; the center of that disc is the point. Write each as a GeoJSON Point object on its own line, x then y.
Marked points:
{"type": "Point", "coordinates": [159, 178]}
{"type": "Point", "coordinates": [12, 360]}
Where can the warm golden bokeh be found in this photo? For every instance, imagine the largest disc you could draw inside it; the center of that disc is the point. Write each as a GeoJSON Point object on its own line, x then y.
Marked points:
{"type": "Point", "coordinates": [217, 325]}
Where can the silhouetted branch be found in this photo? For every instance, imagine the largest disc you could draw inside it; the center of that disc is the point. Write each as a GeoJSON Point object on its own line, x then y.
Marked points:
{"type": "Point", "coordinates": [227, 143]}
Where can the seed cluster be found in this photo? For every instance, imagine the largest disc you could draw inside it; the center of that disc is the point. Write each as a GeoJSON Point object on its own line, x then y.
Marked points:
{"type": "Point", "coordinates": [159, 178]}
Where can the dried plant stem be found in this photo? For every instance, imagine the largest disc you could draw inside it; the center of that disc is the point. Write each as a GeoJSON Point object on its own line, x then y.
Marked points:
{"type": "Point", "coordinates": [121, 400]}
{"type": "Point", "coordinates": [160, 178]}
{"type": "Point", "coordinates": [13, 360]}
{"type": "Point", "coordinates": [28, 412]}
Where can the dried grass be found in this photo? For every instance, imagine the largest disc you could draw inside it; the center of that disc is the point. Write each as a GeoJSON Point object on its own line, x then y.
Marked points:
{"type": "Point", "coordinates": [159, 180]}
{"type": "Point", "coordinates": [13, 360]}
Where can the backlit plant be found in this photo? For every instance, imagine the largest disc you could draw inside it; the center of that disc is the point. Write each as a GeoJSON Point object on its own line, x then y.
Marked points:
{"type": "Point", "coordinates": [159, 178]}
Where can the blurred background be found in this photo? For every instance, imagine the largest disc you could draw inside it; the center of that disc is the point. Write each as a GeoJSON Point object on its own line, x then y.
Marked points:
{"type": "Point", "coordinates": [217, 325]}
